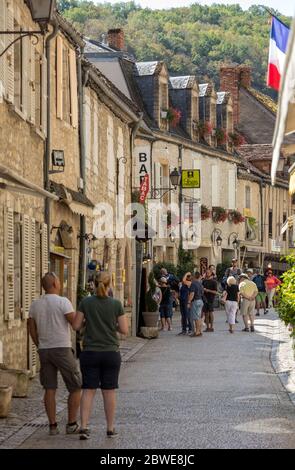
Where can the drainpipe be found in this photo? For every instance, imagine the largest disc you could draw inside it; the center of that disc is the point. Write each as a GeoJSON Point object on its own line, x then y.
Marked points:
{"type": "Point", "coordinates": [48, 130]}
{"type": "Point", "coordinates": [81, 98]}
{"type": "Point", "coordinates": [261, 186]}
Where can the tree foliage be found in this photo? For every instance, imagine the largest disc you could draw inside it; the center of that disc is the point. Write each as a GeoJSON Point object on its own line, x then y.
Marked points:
{"type": "Point", "coordinates": [192, 40]}
{"type": "Point", "coordinates": [286, 304]}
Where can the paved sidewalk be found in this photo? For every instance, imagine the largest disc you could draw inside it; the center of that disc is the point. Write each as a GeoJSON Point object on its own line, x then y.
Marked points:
{"type": "Point", "coordinates": [27, 414]}
{"type": "Point", "coordinates": [218, 391]}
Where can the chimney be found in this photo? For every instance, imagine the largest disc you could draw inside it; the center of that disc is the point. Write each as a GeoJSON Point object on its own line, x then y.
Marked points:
{"type": "Point", "coordinates": [232, 77]}
{"type": "Point", "coordinates": [116, 39]}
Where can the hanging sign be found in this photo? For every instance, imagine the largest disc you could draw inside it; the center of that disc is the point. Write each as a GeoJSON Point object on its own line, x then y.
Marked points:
{"type": "Point", "coordinates": [191, 179]}
{"type": "Point", "coordinates": [142, 157]}
{"type": "Point", "coordinates": [144, 189]}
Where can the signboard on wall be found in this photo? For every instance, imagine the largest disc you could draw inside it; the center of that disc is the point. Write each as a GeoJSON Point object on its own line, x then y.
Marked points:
{"type": "Point", "coordinates": [142, 164]}
{"type": "Point", "coordinates": [190, 179]}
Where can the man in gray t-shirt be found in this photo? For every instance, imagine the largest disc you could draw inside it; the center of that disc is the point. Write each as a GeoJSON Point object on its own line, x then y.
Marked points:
{"type": "Point", "coordinates": [49, 323]}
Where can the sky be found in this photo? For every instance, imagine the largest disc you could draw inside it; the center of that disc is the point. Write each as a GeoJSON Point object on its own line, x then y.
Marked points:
{"type": "Point", "coordinates": [286, 7]}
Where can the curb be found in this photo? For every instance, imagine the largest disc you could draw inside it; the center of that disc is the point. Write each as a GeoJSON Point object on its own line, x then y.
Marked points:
{"type": "Point", "coordinates": [282, 358]}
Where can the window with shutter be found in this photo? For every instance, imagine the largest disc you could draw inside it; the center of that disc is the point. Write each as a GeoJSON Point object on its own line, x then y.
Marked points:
{"type": "Point", "coordinates": [2, 47]}
{"type": "Point", "coordinates": [66, 86]}
{"type": "Point", "coordinates": [44, 95]}
{"type": "Point", "coordinates": [26, 72]}
{"type": "Point", "coordinates": [9, 56]}
{"type": "Point", "coordinates": [37, 94]}
{"type": "Point", "coordinates": [74, 88]}
{"type": "Point", "coordinates": [26, 274]}
{"type": "Point", "coordinates": [33, 259]}
{"type": "Point", "coordinates": [9, 265]}
{"type": "Point", "coordinates": [17, 266]}
{"type": "Point", "coordinates": [18, 50]}
{"type": "Point", "coordinates": [44, 249]}
{"type": "Point", "coordinates": [32, 357]}
{"type": "Point", "coordinates": [32, 83]}
{"type": "Point", "coordinates": [59, 77]}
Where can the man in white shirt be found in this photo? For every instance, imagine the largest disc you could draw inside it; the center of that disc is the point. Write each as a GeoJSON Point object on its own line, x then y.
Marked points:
{"type": "Point", "coordinates": [49, 322]}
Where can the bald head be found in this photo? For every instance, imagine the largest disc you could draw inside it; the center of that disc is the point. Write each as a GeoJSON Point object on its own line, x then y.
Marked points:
{"type": "Point", "coordinates": [51, 283]}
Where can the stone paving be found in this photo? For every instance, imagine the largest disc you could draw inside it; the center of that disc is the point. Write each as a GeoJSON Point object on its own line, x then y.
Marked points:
{"type": "Point", "coordinates": [27, 414]}
{"type": "Point", "coordinates": [218, 391]}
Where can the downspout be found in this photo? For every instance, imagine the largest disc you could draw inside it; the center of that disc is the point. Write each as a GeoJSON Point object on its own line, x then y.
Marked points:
{"type": "Point", "coordinates": [82, 245]}
{"type": "Point", "coordinates": [48, 130]}
{"type": "Point", "coordinates": [261, 186]}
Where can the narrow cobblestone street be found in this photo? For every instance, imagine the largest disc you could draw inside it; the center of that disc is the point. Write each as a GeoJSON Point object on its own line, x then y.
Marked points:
{"type": "Point", "coordinates": [218, 391]}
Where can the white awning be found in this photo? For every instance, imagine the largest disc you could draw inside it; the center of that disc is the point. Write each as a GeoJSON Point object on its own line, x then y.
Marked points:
{"type": "Point", "coordinates": [19, 184]}
{"type": "Point", "coordinates": [285, 123]}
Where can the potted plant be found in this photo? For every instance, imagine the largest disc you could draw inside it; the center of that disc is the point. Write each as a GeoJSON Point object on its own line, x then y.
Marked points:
{"type": "Point", "coordinates": [235, 216]}
{"type": "Point", "coordinates": [219, 214]}
{"type": "Point", "coordinates": [221, 136]}
{"type": "Point", "coordinates": [151, 315]}
{"type": "Point", "coordinates": [205, 212]}
{"type": "Point", "coordinates": [5, 400]}
{"type": "Point", "coordinates": [173, 116]}
{"type": "Point", "coordinates": [236, 139]}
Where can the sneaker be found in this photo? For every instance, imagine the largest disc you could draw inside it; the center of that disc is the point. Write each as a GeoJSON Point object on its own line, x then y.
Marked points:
{"type": "Point", "coordinates": [72, 428]}
{"type": "Point", "coordinates": [53, 429]}
{"type": "Point", "coordinates": [112, 433]}
{"type": "Point", "coordinates": [257, 314]}
{"type": "Point", "coordinates": [181, 333]}
{"type": "Point", "coordinates": [246, 329]}
{"type": "Point", "coordinates": [84, 434]}
{"type": "Point", "coordinates": [265, 312]}
{"type": "Point", "coordinates": [252, 329]}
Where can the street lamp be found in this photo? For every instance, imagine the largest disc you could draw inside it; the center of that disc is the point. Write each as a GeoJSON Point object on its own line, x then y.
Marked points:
{"type": "Point", "coordinates": [41, 12]}
{"type": "Point", "coordinates": [235, 241]}
{"type": "Point", "coordinates": [175, 178]}
{"type": "Point", "coordinates": [216, 237]}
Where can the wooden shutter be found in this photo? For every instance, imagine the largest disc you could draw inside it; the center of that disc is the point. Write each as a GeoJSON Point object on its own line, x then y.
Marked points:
{"type": "Point", "coordinates": [9, 265]}
{"type": "Point", "coordinates": [32, 84]}
{"type": "Point", "coordinates": [215, 186]}
{"type": "Point", "coordinates": [33, 260]}
{"type": "Point", "coordinates": [9, 56]}
{"type": "Point", "coordinates": [2, 47]}
{"type": "Point", "coordinates": [59, 77]}
{"type": "Point", "coordinates": [26, 272]}
{"type": "Point", "coordinates": [74, 88]}
{"type": "Point", "coordinates": [44, 249]}
{"type": "Point", "coordinates": [44, 95]}
{"type": "Point", "coordinates": [32, 357]}
{"type": "Point", "coordinates": [231, 188]}
{"type": "Point", "coordinates": [26, 66]}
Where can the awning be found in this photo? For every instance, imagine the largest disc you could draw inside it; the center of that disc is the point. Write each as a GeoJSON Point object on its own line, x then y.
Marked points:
{"type": "Point", "coordinates": [77, 202]}
{"type": "Point", "coordinates": [285, 123]}
{"type": "Point", "coordinates": [14, 182]}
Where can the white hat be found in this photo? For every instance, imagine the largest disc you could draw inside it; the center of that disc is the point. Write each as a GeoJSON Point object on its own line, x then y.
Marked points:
{"type": "Point", "coordinates": [163, 279]}
{"type": "Point", "coordinates": [244, 275]}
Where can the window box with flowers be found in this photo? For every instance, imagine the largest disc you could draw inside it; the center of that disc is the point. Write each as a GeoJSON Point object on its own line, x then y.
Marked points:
{"type": "Point", "coordinates": [204, 128]}
{"type": "Point", "coordinates": [205, 212]}
{"type": "Point", "coordinates": [236, 217]}
{"type": "Point", "coordinates": [171, 115]}
{"type": "Point", "coordinates": [219, 214]}
{"type": "Point", "coordinates": [220, 135]}
{"type": "Point", "coordinates": [236, 139]}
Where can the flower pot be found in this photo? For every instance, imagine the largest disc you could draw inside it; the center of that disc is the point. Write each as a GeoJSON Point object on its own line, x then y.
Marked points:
{"type": "Point", "coordinates": [151, 318]}
{"type": "Point", "coordinates": [5, 400]}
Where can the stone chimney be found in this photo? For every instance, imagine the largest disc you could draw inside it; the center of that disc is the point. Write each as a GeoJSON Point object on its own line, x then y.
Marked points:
{"type": "Point", "coordinates": [232, 78]}
{"type": "Point", "coordinates": [116, 39]}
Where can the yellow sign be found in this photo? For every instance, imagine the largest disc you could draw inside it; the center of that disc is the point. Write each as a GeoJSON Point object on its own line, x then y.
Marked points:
{"type": "Point", "coordinates": [191, 179]}
{"type": "Point", "coordinates": [247, 212]}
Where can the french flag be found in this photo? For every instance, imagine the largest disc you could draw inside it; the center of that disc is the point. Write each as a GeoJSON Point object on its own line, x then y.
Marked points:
{"type": "Point", "coordinates": [277, 52]}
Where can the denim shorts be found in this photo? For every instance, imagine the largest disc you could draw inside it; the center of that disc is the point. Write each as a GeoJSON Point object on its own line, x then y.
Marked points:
{"type": "Point", "coordinates": [196, 309]}
{"type": "Point", "coordinates": [165, 311]}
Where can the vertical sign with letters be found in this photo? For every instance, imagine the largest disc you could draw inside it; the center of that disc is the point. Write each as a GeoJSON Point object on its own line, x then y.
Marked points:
{"type": "Point", "coordinates": [142, 164]}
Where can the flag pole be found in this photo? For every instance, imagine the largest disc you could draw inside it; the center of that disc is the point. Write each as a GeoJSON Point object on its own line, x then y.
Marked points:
{"type": "Point", "coordinates": [274, 15]}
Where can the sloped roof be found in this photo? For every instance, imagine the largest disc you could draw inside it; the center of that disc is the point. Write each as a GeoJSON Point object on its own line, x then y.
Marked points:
{"type": "Point", "coordinates": [61, 191]}
{"type": "Point", "coordinates": [269, 103]}
{"type": "Point", "coordinates": [184, 82]}
{"type": "Point", "coordinates": [147, 68]}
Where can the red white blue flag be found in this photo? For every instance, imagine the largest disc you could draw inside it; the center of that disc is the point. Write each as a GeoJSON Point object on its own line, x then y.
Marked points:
{"type": "Point", "coordinates": [277, 52]}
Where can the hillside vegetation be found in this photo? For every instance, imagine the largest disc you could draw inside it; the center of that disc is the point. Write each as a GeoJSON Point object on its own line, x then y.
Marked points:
{"type": "Point", "coordinates": [192, 40]}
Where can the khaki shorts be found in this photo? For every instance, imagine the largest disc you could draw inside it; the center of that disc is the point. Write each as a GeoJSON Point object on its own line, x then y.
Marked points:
{"type": "Point", "coordinates": [62, 360]}
{"type": "Point", "coordinates": [247, 307]}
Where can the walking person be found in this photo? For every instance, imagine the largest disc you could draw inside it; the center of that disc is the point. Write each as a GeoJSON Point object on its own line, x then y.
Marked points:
{"type": "Point", "coordinates": [196, 304]}
{"type": "Point", "coordinates": [271, 284]}
{"type": "Point", "coordinates": [165, 304]}
{"type": "Point", "coordinates": [231, 298]}
{"type": "Point", "coordinates": [248, 293]}
{"type": "Point", "coordinates": [184, 292]}
{"type": "Point", "coordinates": [259, 280]}
{"type": "Point", "coordinates": [49, 322]}
{"type": "Point", "coordinates": [210, 291]}
{"type": "Point", "coordinates": [100, 360]}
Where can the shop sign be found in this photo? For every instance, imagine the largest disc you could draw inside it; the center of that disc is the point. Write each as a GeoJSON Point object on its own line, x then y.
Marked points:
{"type": "Point", "coordinates": [191, 179]}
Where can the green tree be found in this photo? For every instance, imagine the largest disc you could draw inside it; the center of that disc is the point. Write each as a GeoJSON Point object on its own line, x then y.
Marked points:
{"type": "Point", "coordinates": [286, 304]}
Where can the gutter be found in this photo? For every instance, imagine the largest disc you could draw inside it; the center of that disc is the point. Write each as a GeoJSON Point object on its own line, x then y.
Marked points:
{"type": "Point", "coordinates": [49, 38]}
